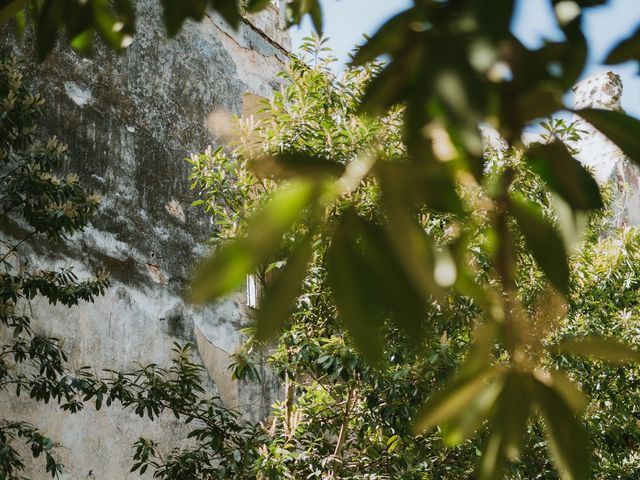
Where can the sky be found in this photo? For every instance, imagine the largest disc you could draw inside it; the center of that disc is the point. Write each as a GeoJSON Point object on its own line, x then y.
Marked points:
{"type": "Point", "coordinates": [347, 20]}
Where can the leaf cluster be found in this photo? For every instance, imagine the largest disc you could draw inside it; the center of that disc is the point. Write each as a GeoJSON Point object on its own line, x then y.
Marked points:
{"type": "Point", "coordinates": [114, 21]}
{"type": "Point", "coordinates": [395, 254]}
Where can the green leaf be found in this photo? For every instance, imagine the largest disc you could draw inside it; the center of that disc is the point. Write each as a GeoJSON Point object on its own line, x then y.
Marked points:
{"type": "Point", "coordinates": [354, 292]}
{"type": "Point", "coordinates": [474, 415]}
{"type": "Point", "coordinates": [419, 185]}
{"type": "Point", "coordinates": [115, 22]}
{"type": "Point", "coordinates": [601, 349]}
{"type": "Point", "coordinates": [390, 86]}
{"type": "Point", "coordinates": [9, 9]}
{"type": "Point", "coordinates": [627, 49]}
{"type": "Point", "coordinates": [397, 293]}
{"type": "Point", "coordinates": [315, 11]}
{"type": "Point", "coordinates": [591, 3]}
{"type": "Point", "coordinates": [228, 9]}
{"type": "Point", "coordinates": [565, 175]}
{"type": "Point", "coordinates": [282, 291]}
{"type": "Point", "coordinates": [620, 128]}
{"type": "Point", "coordinates": [567, 439]}
{"type": "Point", "coordinates": [411, 246]}
{"type": "Point", "coordinates": [226, 269]}
{"type": "Point", "coordinates": [512, 414]}
{"type": "Point", "coordinates": [83, 42]}
{"type": "Point", "coordinates": [175, 12]}
{"type": "Point", "coordinates": [393, 443]}
{"type": "Point", "coordinates": [453, 400]}
{"type": "Point", "coordinates": [257, 5]}
{"type": "Point", "coordinates": [297, 9]}
{"type": "Point", "coordinates": [48, 23]}
{"type": "Point", "coordinates": [508, 427]}
{"type": "Point", "coordinates": [543, 241]}
{"type": "Point", "coordinates": [20, 23]}
{"type": "Point", "coordinates": [493, 460]}
{"type": "Point", "coordinates": [390, 286]}
{"type": "Point", "coordinates": [391, 37]}
{"type": "Point", "coordinates": [537, 104]}
{"type": "Point", "coordinates": [567, 390]}
{"type": "Point", "coordinates": [296, 164]}
{"type": "Point", "coordinates": [494, 17]}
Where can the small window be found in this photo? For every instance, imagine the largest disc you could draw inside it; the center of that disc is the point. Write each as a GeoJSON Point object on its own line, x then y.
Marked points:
{"type": "Point", "coordinates": [253, 289]}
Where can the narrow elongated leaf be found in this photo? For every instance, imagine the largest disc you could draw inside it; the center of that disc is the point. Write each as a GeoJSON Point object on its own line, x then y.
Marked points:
{"type": "Point", "coordinates": [257, 5]}
{"type": "Point", "coordinates": [480, 350]}
{"type": "Point", "coordinates": [512, 414]}
{"type": "Point", "coordinates": [474, 415]}
{"type": "Point", "coordinates": [567, 438]}
{"type": "Point", "coordinates": [9, 8]}
{"type": "Point", "coordinates": [627, 49]}
{"type": "Point", "coordinates": [83, 43]}
{"type": "Point", "coordinates": [115, 22]}
{"type": "Point", "coordinates": [620, 128]}
{"type": "Point", "coordinates": [226, 269]}
{"type": "Point", "coordinates": [289, 165]}
{"type": "Point", "coordinates": [49, 19]}
{"type": "Point", "coordinates": [493, 460]}
{"type": "Point", "coordinates": [297, 9]}
{"type": "Point", "coordinates": [494, 16]}
{"type": "Point", "coordinates": [568, 390]}
{"type": "Point", "coordinates": [453, 400]}
{"type": "Point", "coordinates": [601, 349]}
{"type": "Point", "coordinates": [508, 427]}
{"type": "Point", "coordinates": [543, 241]}
{"type": "Point", "coordinates": [389, 38]}
{"type": "Point", "coordinates": [20, 22]}
{"type": "Point", "coordinates": [229, 10]}
{"type": "Point", "coordinates": [419, 184]}
{"type": "Point", "coordinates": [354, 293]}
{"type": "Point", "coordinates": [390, 289]}
{"type": "Point", "coordinates": [282, 291]}
{"type": "Point", "coordinates": [389, 87]}
{"type": "Point", "coordinates": [396, 291]}
{"type": "Point", "coordinates": [412, 247]}
{"type": "Point", "coordinates": [175, 12]}
{"type": "Point", "coordinates": [591, 3]}
{"type": "Point", "coordinates": [565, 175]}
{"type": "Point", "coordinates": [315, 12]}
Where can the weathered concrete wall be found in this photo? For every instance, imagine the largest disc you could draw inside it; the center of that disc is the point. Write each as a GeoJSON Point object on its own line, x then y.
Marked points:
{"type": "Point", "coordinates": [609, 164]}
{"type": "Point", "coordinates": [129, 121]}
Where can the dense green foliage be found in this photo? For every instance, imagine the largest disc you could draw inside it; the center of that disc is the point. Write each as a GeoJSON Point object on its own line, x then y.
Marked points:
{"type": "Point", "coordinates": [453, 65]}
{"type": "Point", "coordinates": [403, 217]}
{"type": "Point", "coordinates": [114, 22]}
{"type": "Point", "coordinates": [343, 417]}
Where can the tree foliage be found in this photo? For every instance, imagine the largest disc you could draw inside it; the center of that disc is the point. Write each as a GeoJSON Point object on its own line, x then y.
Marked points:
{"type": "Point", "coordinates": [114, 22]}
{"type": "Point", "coordinates": [507, 381]}
{"type": "Point", "coordinates": [453, 66]}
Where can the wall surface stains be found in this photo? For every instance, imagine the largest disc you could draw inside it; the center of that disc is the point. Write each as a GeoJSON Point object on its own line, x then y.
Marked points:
{"type": "Point", "coordinates": [130, 121]}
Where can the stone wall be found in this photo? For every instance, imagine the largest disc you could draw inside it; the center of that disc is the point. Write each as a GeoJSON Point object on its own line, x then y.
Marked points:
{"type": "Point", "coordinates": [130, 120]}
{"type": "Point", "coordinates": [607, 162]}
